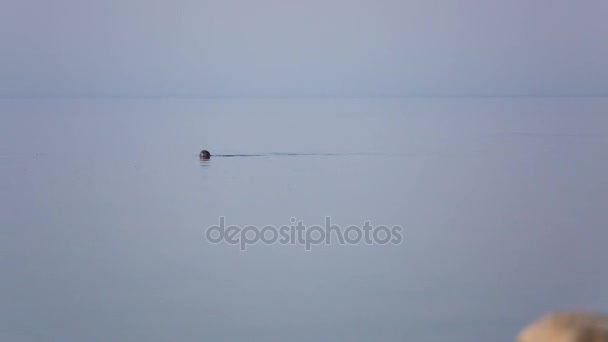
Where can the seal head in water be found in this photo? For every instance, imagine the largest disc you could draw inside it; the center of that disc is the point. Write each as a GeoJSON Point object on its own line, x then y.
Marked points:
{"type": "Point", "coordinates": [205, 155]}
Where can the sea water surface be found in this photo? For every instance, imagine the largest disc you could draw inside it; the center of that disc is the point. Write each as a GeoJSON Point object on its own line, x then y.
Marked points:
{"type": "Point", "coordinates": [105, 204]}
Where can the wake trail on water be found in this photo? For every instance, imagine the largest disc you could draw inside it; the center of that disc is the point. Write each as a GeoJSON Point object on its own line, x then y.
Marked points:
{"type": "Point", "coordinates": [286, 154]}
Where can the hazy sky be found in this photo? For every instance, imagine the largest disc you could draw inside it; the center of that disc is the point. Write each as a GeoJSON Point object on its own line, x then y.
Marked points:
{"type": "Point", "coordinates": [303, 48]}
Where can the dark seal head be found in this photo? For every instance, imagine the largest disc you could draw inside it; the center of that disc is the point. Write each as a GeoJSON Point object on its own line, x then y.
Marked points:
{"type": "Point", "coordinates": [205, 155]}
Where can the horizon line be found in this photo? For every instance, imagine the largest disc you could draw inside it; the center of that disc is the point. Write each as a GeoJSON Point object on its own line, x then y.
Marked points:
{"type": "Point", "coordinates": [273, 97]}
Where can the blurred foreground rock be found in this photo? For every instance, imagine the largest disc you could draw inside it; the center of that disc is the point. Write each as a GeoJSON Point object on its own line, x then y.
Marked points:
{"type": "Point", "coordinates": [567, 327]}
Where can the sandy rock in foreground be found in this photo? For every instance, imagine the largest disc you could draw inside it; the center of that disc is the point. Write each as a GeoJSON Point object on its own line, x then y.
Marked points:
{"type": "Point", "coordinates": [567, 327]}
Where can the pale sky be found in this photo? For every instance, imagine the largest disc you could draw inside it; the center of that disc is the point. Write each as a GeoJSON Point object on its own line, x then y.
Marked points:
{"type": "Point", "coordinates": [207, 48]}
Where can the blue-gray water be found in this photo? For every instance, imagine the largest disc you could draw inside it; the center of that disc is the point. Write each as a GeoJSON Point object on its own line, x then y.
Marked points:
{"type": "Point", "coordinates": [105, 203]}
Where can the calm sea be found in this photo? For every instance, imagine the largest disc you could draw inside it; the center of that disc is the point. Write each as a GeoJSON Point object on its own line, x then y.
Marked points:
{"type": "Point", "coordinates": [105, 204]}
